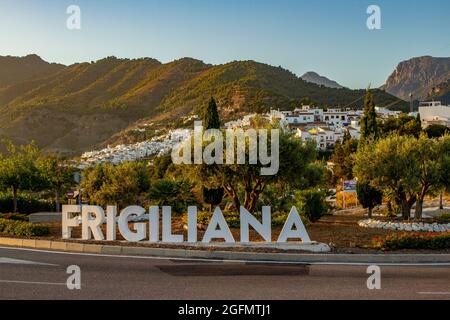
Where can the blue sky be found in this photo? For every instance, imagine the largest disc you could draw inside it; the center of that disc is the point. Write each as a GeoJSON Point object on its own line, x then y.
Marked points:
{"type": "Point", "coordinates": [326, 36]}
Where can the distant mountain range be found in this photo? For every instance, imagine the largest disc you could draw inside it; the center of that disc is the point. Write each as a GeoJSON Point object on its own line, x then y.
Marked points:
{"type": "Point", "coordinates": [15, 70]}
{"type": "Point", "coordinates": [425, 77]}
{"type": "Point", "coordinates": [313, 77]}
{"type": "Point", "coordinates": [74, 108]}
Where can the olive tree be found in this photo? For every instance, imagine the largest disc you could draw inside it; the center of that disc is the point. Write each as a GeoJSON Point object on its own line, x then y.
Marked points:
{"type": "Point", "coordinates": [408, 168]}
{"type": "Point", "coordinates": [18, 170]}
{"type": "Point", "coordinates": [58, 175]}
{"type": "Point", "coordinates": [115, 184]}
{"type": "Point", "coordinates": [244, 183]}
{"type": "Point", "coordinates": [391, 163]}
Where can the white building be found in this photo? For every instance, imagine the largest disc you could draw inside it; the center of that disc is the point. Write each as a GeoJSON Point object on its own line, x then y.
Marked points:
{"type": "Point", "coordinates": [335, 117]}
{"type": "Point", "coordinates": [324, 137]}
{"type": "Point", "coordinates": [386, 113]}
{"type": "Point", "coordinates": [434, 113]}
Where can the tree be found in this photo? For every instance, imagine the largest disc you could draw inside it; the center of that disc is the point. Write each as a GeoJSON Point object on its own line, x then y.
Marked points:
{"type": "Point", "coordinates": [403, 125]}
{"type": "Point", "coordinates": [107, 184]}
{"type": "Point", "coordinates": [18, 170]}
{"type": "Point", "coordinates": [211, 120]}
{"type": "Point", "coordinates": [445, 168]}
{"type": "Point", "coordinates": [175, 193]}
{"type": "Point", "coordinates": [243, 183]}
{"type": "Point", "coordinates": [436, 130]}
{"type": "Point", "coordinates": [412, 128]}
{"type": "Point", "coordinates": [430, 155]}
{"type": "Point", "coordinates": [161, 165]}
{"type": "Point", "coordinates": [342, 157]}
{"type": "Point", "coordinates": [210, 116]}
{"type": "Point", "coordinates": [369, 126]}
{"type": "Point", "coordinates": [391, 164]}
{"type": "Point", "coordinates": [368, 196]}
{"type": "Point", "coordinates": [58, 175]}
{"type": "Point", "coordinates": [406, 167]}
{"type": "Point", "coordinates": [213, 197]}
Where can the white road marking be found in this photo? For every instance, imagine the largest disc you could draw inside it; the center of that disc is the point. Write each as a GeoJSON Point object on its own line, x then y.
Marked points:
{"type": "Point", "coordinates": [17, 261]}
{"type": "Point", "coordinates": [33, 282]}
{"type": "Point", "coordinates": [434, 293]}
{"type": "Point", "coordinates": [430, 264]}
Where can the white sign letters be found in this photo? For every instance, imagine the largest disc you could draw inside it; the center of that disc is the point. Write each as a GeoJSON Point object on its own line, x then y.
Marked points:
{"type": "Point", "coordinates": [92, 218]}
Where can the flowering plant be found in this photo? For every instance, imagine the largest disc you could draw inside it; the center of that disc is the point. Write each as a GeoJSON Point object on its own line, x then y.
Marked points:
{"type": "Point", "coordinates": [416, 240]}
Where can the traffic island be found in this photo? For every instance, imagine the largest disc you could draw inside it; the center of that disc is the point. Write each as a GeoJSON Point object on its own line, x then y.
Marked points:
{"type": "Point", "coordinates": [220, 253]}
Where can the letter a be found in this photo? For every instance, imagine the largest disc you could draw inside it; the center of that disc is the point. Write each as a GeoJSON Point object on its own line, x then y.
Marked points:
{"type": "Point", "coordinates": [298, 233]}
{"type": "Point", "coordinates": [374, 21]}
{"type": "Point", "coordinates": [74, 20]}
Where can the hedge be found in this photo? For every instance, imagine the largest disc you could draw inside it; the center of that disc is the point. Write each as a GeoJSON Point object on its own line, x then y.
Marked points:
{"type": "Point", "coordinates": [26, 204]}
{"type": "Point", "coordinates": [22, 229]}
{"type": "Point", "coordinates": [433, 241]}
{"type": "Point", "coordinates": [14, 216]}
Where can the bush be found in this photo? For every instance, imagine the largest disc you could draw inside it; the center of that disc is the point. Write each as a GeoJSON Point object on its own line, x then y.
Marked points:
{"type": "Point", "coordinates": [27, 204]}
{"type": "Point", "coordinates": [14, 216]}
{"type": "Point", "coordinates": [434, 241]}
{"type": "Point", "coordinates": [177, 194]}
{"type": "Point", "coordinates": [443, 217]}
{"type": "Point", "coordinates": [22, 229]}
{"type": "Point", "coordinates": [311, 204]}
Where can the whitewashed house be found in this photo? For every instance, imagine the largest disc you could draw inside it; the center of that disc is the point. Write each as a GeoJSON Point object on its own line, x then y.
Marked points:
{"type": "Point", "coordinates": [335, 117]}
{"type": "Point", "coordinates": [434, 113]}
{"type": "Point", "coordinates": [325, 138]}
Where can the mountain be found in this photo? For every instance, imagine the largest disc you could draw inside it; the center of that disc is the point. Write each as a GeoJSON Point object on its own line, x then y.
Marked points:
{"type": "Point", "coordinates": [441, 92]}
{"type": "Point", "coordinates": [313, 77]}
{"type": "Point", "coordinates": [418, 76]}
{"type": "Point", "coordinates": [14, 70]}
{"type": "Point", "coordinates": [83, 105]}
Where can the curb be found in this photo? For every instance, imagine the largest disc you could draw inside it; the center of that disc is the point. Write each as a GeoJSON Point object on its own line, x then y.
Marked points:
{"type": "Point", "coordinates": [227, 255]}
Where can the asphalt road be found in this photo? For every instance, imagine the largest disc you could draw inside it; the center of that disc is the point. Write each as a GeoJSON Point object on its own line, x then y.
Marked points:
{"type": "Point", "coordinates": [28, 274]}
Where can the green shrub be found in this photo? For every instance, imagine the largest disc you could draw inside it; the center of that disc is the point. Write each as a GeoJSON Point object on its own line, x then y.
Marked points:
{"type": "Point", "coordinates": [14, 216]}
{"type": "Point", "coordinates": [177, 194]}
{"type": "Point", "coordinates": [443, 217]}
{"type": "Point", "coordinates": [433, 241]}
{"type": "Point", "coordinates": [26, 203]}
{"type": "Point", "coordinates": [311, 204]}
{"type": "Point", "coordinates": [22, 229]}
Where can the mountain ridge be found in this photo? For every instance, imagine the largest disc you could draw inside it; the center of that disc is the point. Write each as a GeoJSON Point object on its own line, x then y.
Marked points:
{"type": "Point", "coordinates": [82, 105]}
{"type": "Point", "coordinates": [419, 76]}
{"type": "Point", "coordinates": [314, 77]}
{"type": "Point", "coordinates": [14, 70]}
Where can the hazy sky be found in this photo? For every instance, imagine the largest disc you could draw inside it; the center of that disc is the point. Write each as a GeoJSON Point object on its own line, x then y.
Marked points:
{"type": "Point", "coordinates": [327, 36]}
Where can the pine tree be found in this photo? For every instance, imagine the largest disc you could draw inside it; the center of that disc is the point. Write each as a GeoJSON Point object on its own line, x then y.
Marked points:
{"type": "Point", "coordinates": [369, 126]}
{"type": "Point", "coordinates": [346, 137]}
{"type": "Point", "coordinates": [210, 116]}
{"type": "Point", "coordinates": [211, 120]}
{"type": "Point", "coordinates": [419, 120]}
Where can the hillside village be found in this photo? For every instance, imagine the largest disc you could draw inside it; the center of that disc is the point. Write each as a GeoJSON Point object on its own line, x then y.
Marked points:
{"type": "Point", "coordinates": [324, 127]}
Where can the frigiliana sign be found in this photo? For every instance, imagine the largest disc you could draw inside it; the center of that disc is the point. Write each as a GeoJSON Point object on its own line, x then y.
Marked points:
{"type": "Point", "coordinates": [92, 218]}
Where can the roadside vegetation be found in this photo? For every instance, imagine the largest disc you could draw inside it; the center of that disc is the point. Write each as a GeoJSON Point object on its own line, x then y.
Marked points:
{"type": "Point", "coordinates": [22, 229]}
{"type": "Point", "coordinates": [395, 162]}
{"type": "Point", "coordinates": [421, 241]}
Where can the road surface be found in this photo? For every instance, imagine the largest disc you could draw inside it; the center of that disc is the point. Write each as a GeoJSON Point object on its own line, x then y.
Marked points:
{"type": "Point", "coordinates": [31, 274]}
